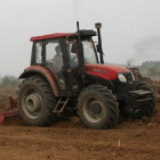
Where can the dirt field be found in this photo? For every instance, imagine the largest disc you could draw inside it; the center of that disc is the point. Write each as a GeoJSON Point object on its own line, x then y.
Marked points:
{"type": "Point", "coordinates": [68, 140]}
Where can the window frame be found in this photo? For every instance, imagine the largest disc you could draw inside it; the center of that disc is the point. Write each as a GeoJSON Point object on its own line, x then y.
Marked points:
{"type": "Point", "coordinates": [44, 42]}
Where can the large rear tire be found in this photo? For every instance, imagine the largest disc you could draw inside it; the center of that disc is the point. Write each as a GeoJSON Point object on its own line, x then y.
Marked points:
{"type": "Point", "coordinates": [130, 111]}
{"type": "Point", "coordinates": [97, 107]}
{"type": "Point", "coordinates": [36, 102]}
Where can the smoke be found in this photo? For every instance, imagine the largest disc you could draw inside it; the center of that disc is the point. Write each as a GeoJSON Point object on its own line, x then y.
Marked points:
{"type": "Point", "coordinates": [147, 56]}
{"type": "Point", "coordinates": [130, 63]}
{"type": "Point", "coordinates": [147, 49]}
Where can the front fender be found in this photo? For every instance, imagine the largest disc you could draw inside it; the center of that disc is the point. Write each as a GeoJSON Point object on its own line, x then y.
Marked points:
{"type": "Point", "coordinates": [38, 70]}
{"type": "Point", "coordinates": [99, 80]}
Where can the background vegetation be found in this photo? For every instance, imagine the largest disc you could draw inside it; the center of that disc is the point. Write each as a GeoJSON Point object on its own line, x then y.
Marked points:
{"type": "Point", "coordinates": [150, 68]}
{"type": "Point", "coordinates": [9, 81]}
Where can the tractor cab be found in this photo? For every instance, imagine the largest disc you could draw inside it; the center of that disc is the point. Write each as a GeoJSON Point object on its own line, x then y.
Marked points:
{"type": "Point", "coordinates": [58, 54]}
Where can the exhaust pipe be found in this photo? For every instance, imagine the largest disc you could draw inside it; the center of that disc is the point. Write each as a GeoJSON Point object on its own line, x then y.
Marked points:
{"type": "Point", "coordinates": [81, 55]}
{"type": "Point", "coordinates": [98, 26]}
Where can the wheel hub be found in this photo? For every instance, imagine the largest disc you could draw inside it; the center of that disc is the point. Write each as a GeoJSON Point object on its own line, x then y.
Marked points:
{"type": "Point", "coordinates": [95, 108]}
{"type": "Point", "coordinates": [33, 102]}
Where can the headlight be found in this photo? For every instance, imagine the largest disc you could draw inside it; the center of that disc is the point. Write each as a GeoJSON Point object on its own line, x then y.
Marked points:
{"type": "Point", "coordinates": [122, 78]}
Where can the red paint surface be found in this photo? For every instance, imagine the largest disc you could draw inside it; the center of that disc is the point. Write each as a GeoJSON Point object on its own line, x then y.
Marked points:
{"type": "Point", "coordinates": [105, 71]}
{"type": "Point", "coordinates": [49, 36]}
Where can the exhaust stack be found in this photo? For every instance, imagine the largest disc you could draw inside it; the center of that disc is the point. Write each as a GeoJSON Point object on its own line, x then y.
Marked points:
{"type": "Point", "coordinates": [81, 54]}
{"type": "Point", "coordinates": [98, 26]}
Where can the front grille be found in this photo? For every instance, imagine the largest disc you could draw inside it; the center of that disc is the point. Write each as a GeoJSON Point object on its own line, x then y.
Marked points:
{"type": "Point", "coordinates": [125, 88]}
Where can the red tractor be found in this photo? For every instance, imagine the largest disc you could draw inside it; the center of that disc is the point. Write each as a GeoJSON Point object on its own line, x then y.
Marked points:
{"type": "Point", "coordinates": [67, 72]}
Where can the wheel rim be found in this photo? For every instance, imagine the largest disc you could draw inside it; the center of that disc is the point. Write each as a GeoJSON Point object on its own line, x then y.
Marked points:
{"type": "Point", "coordinates": [31, 103]}
{"type": "Point", "coordinates": [93, 109]}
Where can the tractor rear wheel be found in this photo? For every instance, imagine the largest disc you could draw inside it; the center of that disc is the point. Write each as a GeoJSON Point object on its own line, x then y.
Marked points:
{"type": "Point", "coordinates": [131, 111]}
{"type": "Point", "coordinates": [97, 107]}
{"type": "Point", "coordinates": [36, 102]}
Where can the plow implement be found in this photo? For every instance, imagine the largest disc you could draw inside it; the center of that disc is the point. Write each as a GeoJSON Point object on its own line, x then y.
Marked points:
{"type": "Point", "coordinates": [11, 111]}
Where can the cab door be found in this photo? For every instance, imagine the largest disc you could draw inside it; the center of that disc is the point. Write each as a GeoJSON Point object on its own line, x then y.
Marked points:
{"type": "Point", "coordinates": [55, 61]}
{"type": "Point", "coordinates": [49, 53]}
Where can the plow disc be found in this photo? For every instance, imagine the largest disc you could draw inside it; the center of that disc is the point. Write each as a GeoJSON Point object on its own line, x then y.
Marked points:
{"type": "Point", "coordinates": [11, 111]}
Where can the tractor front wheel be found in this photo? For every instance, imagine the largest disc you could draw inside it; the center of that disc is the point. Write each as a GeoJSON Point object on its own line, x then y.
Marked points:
{"type": "Point", "coordinates": [36, 102]}
{"type": "Point", "coordinates": [133, 111]}
{"type": "Point", "coordinates": [97, 107]}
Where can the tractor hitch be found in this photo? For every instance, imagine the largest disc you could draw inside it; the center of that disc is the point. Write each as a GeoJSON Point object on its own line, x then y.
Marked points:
{"type": "Point", "coordinates": [11, 111]}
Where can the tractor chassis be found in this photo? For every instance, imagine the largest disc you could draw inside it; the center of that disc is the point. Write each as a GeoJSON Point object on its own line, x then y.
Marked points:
{"type": "Point", "coordinates": [137, 98]}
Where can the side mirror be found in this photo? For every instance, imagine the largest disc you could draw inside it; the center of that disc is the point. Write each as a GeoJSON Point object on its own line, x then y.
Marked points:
{"type": "Point", "coordinates": [74, 48]}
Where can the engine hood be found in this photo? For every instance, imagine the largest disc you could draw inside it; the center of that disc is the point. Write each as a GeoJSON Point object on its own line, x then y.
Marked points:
{"type": "Point", "coordinates": [105, 71]}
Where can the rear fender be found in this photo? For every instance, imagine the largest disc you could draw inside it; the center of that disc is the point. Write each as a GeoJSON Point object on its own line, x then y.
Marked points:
{"type": "Point", "coordinates": [38, 70]}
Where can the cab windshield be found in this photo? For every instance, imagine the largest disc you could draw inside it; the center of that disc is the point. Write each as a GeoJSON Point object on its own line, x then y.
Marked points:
{"type": "Point", "coordinates": [89, 53]}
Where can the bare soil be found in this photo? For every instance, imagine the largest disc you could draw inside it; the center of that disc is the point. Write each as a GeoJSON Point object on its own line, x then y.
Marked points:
{"type": "Point", "coordinates": [69, 140]}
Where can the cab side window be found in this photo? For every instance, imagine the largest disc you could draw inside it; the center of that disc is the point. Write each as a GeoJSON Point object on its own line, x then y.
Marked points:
{"type": "Point", "coordinates": [54, 58]}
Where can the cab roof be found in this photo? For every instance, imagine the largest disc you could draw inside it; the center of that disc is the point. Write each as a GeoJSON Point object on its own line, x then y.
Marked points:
{"type": "Point", "coordinates": [49, 36]}
{"type": "Point", "coordinates": [83, 33]}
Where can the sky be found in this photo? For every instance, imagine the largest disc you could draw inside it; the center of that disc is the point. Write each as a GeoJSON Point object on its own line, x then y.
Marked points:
{"type": "Point", "coordinates": [130, 28]}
